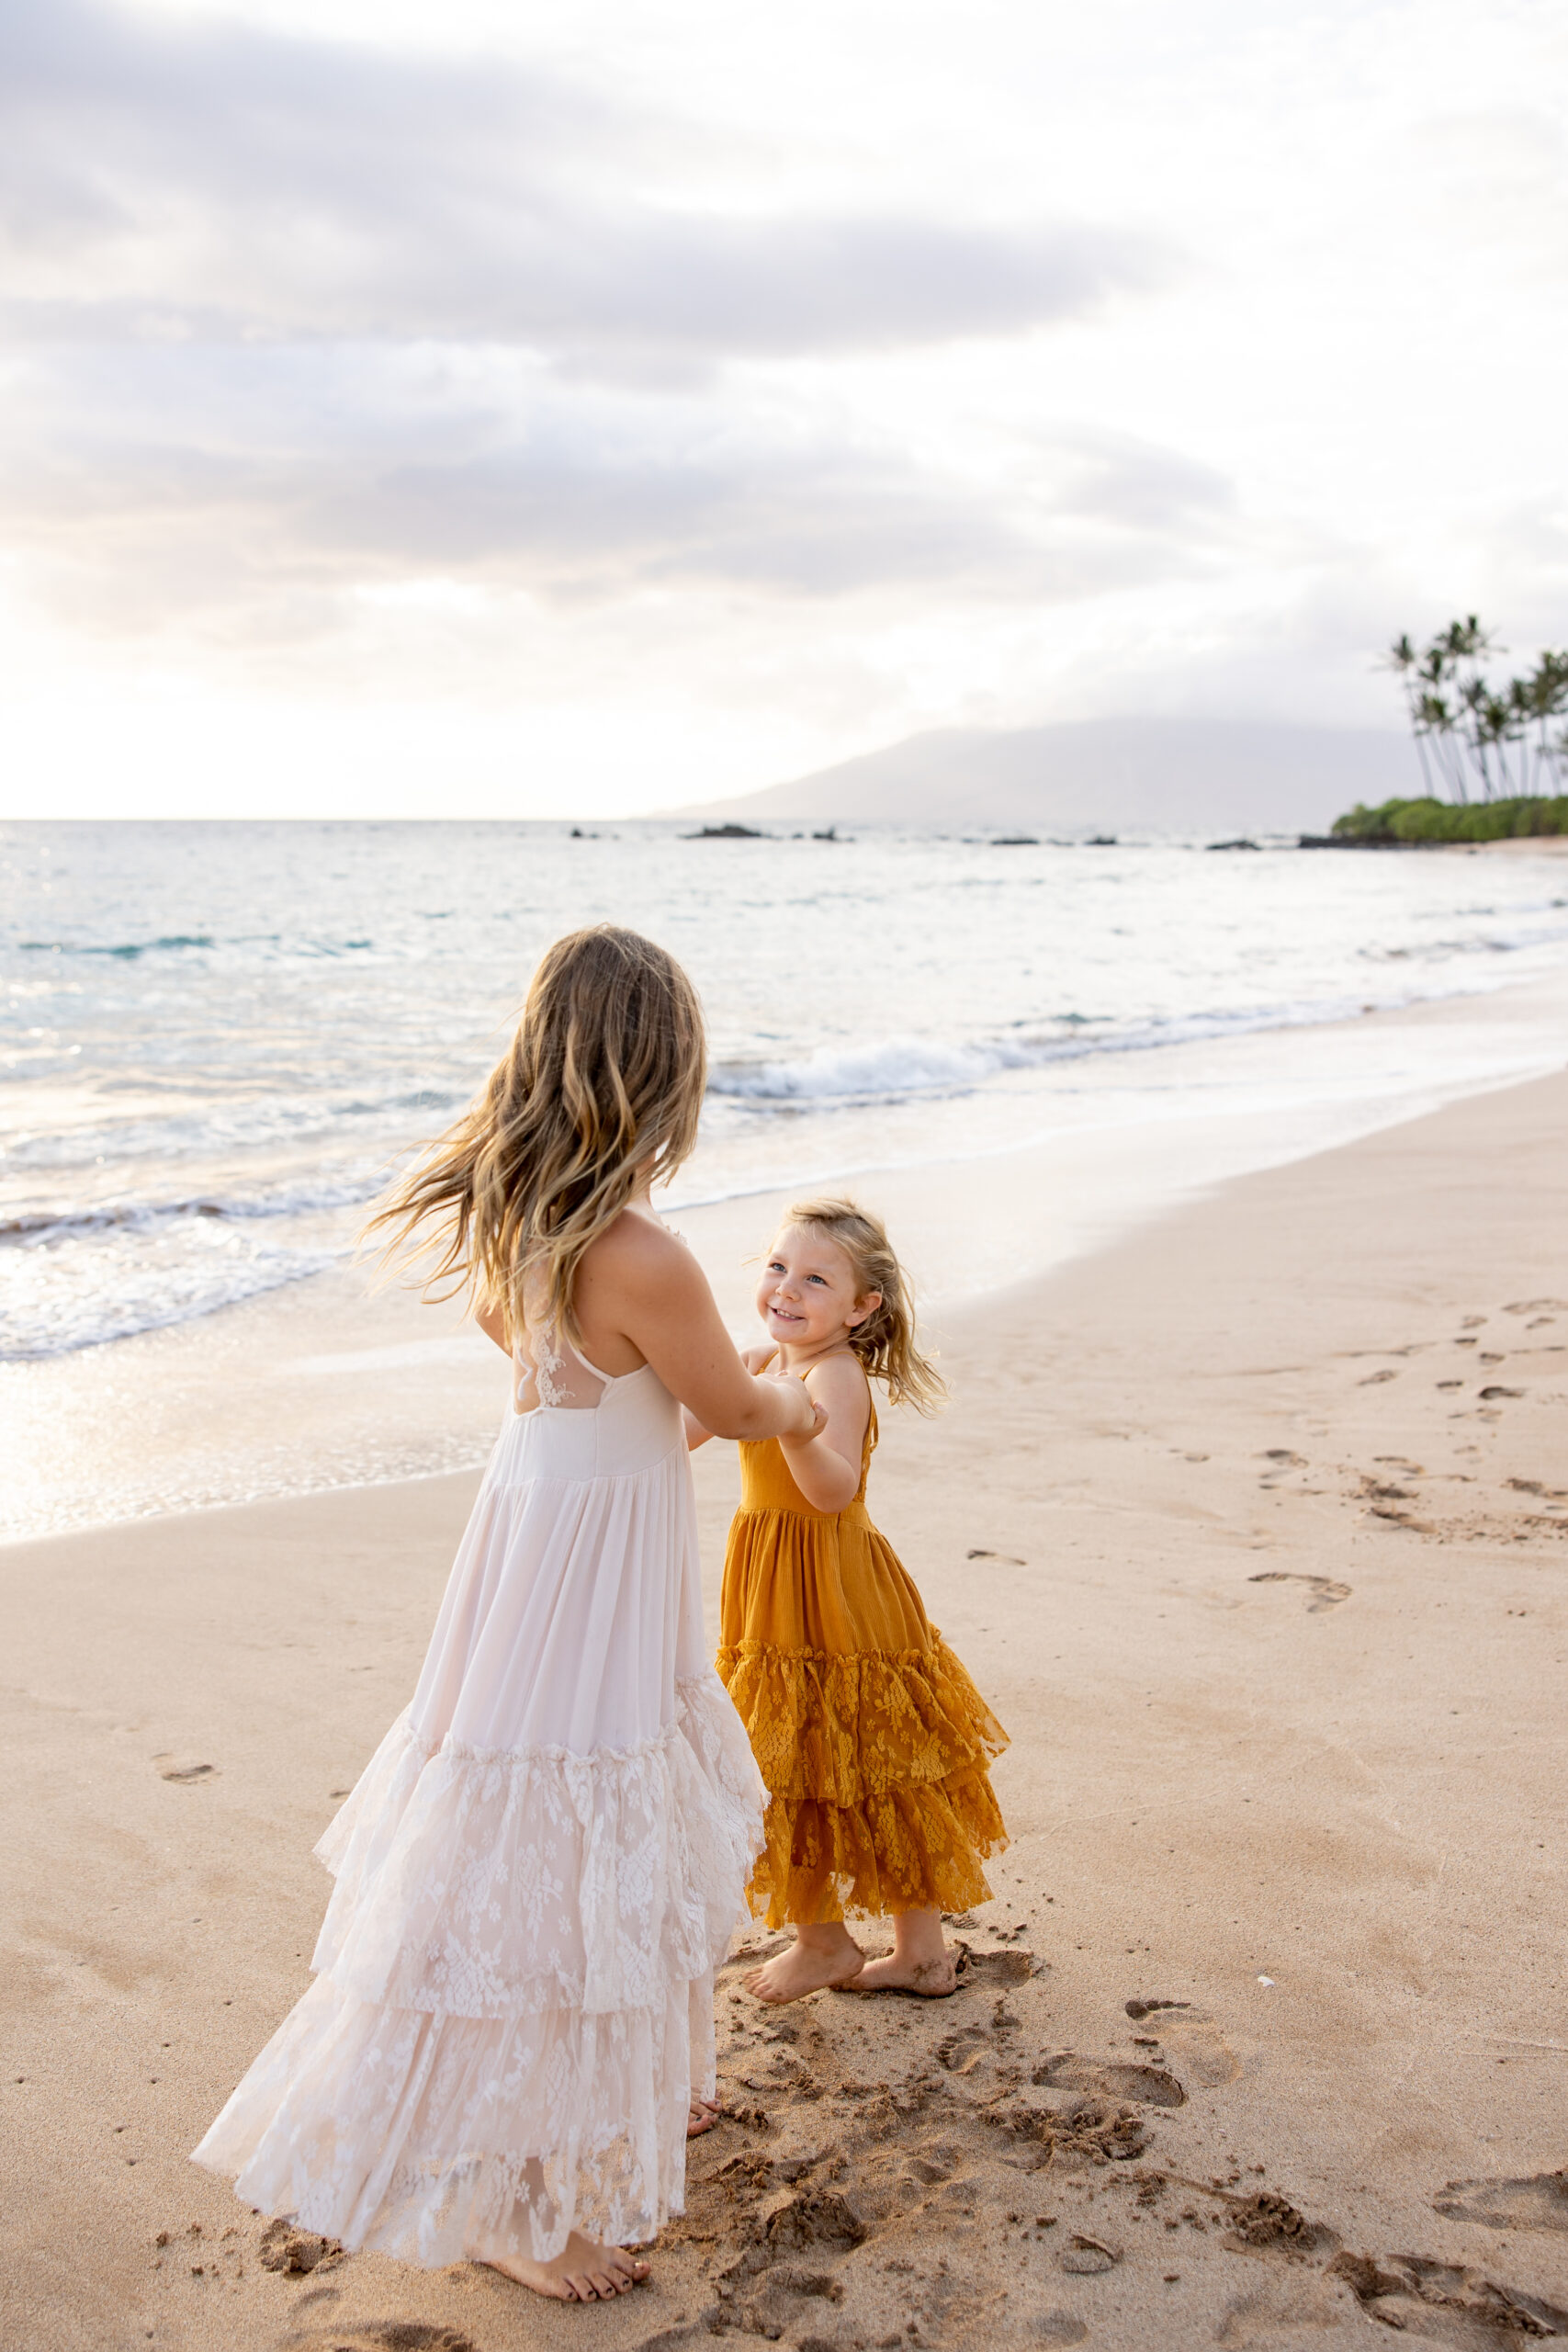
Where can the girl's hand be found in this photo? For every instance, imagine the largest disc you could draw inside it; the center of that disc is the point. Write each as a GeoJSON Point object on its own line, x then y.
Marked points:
{"type": "Point", "coordinates": [811, 1416]}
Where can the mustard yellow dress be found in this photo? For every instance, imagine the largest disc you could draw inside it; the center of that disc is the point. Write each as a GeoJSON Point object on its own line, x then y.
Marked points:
{"type": "Point", "coordinates": [873, 1740]}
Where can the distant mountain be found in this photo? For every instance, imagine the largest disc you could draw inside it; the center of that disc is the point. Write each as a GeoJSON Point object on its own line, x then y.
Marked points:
{"type": "Point", "coordinates": [1097, 775]}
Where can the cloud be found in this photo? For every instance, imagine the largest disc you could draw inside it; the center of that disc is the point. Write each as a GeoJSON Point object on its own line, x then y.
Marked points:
{"type": "Point", "coordinates": [180, 486]}
{"type": "Point", "coordinates": [167, 181]}
{"type": "Point", "coordinates": [1115, 478]}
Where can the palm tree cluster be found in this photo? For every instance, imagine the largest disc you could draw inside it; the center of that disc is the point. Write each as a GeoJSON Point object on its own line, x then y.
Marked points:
{"type": "Point", "coordinates": [1469, 731]}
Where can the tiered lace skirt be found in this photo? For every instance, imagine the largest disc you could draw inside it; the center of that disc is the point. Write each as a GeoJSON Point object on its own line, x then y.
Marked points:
{"type": "Point", "coordinates": [513, 1995]}
{"type": "Point", "coordinates": [873, 1740]}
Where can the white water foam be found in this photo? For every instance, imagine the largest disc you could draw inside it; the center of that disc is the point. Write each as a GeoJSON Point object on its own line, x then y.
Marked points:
{"type": "Point", "coordinates": [219, 1039]}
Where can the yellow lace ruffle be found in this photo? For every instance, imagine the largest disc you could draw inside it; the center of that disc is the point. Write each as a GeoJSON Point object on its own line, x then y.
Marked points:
{"type": "Point", "coordinates": [917, 1849]}
{"type": "Point", "coordinates": [875, 1763]}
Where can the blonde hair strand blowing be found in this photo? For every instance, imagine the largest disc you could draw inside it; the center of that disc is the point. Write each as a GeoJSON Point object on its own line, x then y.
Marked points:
{"type": "Point", "coordinates": [600, 1089]}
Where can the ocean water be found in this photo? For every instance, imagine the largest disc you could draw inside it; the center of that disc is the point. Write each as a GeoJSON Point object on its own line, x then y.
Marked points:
{"type": "Point", "coordinates": [219, 1039]}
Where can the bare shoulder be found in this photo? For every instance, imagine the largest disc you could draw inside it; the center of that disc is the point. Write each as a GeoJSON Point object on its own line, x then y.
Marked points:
{"type": "Point", "coordinates": [756, 1358]}
{"type": "Point", "coordinates": [839, 1384]}
{"type": "Point", "coordinates": [639, 1255]}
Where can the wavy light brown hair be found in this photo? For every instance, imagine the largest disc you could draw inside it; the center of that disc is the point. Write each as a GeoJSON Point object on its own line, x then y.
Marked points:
{"type": "Point", "coordinates": [885, 1342]}
{"type": "Point", "coordinates": [601, 1087]}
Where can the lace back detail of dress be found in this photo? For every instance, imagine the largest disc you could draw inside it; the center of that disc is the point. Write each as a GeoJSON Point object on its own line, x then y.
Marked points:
{"type": "Point", "coordinates": [553, 1377]}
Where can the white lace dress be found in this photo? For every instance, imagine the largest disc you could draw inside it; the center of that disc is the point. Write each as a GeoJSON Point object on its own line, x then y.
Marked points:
{"type": "Point", "coordinates": [536, 1875]}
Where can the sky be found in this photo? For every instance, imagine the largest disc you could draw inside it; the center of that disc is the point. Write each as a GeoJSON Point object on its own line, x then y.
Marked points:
{"type": "Point", "coordinates": [494, 410]}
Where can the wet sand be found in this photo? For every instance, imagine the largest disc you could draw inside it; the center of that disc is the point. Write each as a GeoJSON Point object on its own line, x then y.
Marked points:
{"type": "Point", "coordinates": [1254, 1529]}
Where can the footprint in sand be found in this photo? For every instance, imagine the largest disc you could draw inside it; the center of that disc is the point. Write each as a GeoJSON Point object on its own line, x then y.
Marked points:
{"type": "Point", "coordinates": [1540, 2202]}
{"type": "Point", "coordinates": [862, 2209]}
{"type": "Point", "coordinates": [1268, 2220]}
{"type": "Point", "coordinates": [961, 2053]}
{"type": "Point", "coordinates": [1111, 2078]}
{"type": "Point", "coordinates": [1193, 2041]}
{"type": "Point", "coordinates": [1059, 2327]}
{"type": "Point", "coordinates": [1386, 1501]}
{"type": "Point", "coordinates": [295, 2251]}
{"type": "Point", "coordinates": [1327, 1592]}
{"type": "Point", "coordinates": [384, 2335]}
{"type": "Point", "coordinates": [1444, 2302]}
{"type": "Point", "coordinates": [1490, 1396]}
{"type": "Point", "coordinates": [1006, 1559]}
{"type": "Point", "coordinates": [171, 1768]}
{"type": "Point", "coordinates": [980, 1972]}
{"type": "Point", "coordinates": [1280, 2313]}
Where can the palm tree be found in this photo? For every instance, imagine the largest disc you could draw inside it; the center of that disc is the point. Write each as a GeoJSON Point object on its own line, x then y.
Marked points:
{"type": "Point", "coordinates": [1465, 727]}
{"type": "Point", "coordinates": [1404, 660]}
{"type": "Point", "coordinates": [1538, 700]}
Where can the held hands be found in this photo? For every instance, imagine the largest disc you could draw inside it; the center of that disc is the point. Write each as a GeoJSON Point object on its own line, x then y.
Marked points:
{"type": "Point", "coordinates": [811, 1419]}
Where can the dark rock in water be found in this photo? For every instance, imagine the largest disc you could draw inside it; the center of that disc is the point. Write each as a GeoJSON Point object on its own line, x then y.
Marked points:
{"type": "Point", "coordinates": [831, 835]}
{"type": "Point", "coordinates": [1100, 840]}
{"type": "Point", "coordinates": [1016, 841]}
{"type": "Point", "coordinates": [725, 833]}
{"type": "Point", "coordinates": [1238, 844]}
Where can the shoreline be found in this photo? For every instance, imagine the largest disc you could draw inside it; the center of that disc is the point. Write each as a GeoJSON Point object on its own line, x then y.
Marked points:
{"type": "Point", "coordinates": [1246, 1524]}
{"type": "Point", "coordinates": [316, 1387]}
{"type": "Point", "coordinates": [1510, 845]}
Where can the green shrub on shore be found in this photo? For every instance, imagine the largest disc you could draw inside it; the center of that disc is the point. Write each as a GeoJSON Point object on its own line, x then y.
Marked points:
{"type": "Point", "coordinates": [1444, 821]}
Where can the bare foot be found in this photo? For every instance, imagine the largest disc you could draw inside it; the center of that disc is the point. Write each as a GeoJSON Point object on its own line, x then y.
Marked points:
{"type": "Point", "coordinates": [581, 2273]}
{"type": "Point", "coordinates": [807, 1968]}
{"type": "Point", "coordinates": [894, 1973]}
{"type": "Point", "coordinates": [701, 2116]}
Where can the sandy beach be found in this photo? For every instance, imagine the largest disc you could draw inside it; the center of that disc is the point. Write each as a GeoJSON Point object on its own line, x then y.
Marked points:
{"type": "Point", "coordinates": [1252, 1526]}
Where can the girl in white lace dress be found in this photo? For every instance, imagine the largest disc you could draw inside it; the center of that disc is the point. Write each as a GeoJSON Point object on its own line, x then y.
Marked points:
{"type": "Point", "coordinates": [511, 2024]}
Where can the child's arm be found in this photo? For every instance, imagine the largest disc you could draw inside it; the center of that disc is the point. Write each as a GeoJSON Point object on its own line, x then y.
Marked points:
{"type": "Point", "coordinates": [753, 1358]}
{"type": "Point", "coordinates": [826, 1467]}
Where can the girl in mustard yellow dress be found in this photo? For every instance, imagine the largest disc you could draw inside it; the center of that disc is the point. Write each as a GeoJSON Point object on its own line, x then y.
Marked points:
{"type": "Point", "coordinates": [872, 1741]}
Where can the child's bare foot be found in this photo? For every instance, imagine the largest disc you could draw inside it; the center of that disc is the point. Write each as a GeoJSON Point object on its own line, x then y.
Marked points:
{"type": "Point", "coordinates": [701, 2116]}
{"type": "Point", "coordinates": [581, 2273]}
{"type": "Point", "coordinates": [893, 1974]}
{"type": "Point", "coordinates": [919, 1963]}
{"type": "Point", "coordinates": [819, 1957]}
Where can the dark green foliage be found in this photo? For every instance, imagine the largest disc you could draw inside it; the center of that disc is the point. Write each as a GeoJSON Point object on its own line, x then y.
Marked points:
{"type": "Point", "coordinates": [1442, 821]}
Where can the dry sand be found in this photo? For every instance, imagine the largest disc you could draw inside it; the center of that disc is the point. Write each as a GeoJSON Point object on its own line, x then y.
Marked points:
{"type": "Point", "coordinates": [1255, 1528]}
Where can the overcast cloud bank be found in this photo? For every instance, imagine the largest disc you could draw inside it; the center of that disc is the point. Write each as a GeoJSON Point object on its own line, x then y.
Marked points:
{"type": "Point", "coordinates": [290, 326]}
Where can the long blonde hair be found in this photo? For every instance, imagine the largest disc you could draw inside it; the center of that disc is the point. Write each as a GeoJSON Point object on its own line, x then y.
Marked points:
{"type": "Point", "coordinates": [600, 1089]}
{"type": "Point", "coordinates": [885, 1342]}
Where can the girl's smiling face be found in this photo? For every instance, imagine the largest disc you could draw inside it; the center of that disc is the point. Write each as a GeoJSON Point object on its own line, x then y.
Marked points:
{"type": "Point", "coordinates": [807, 1296]}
